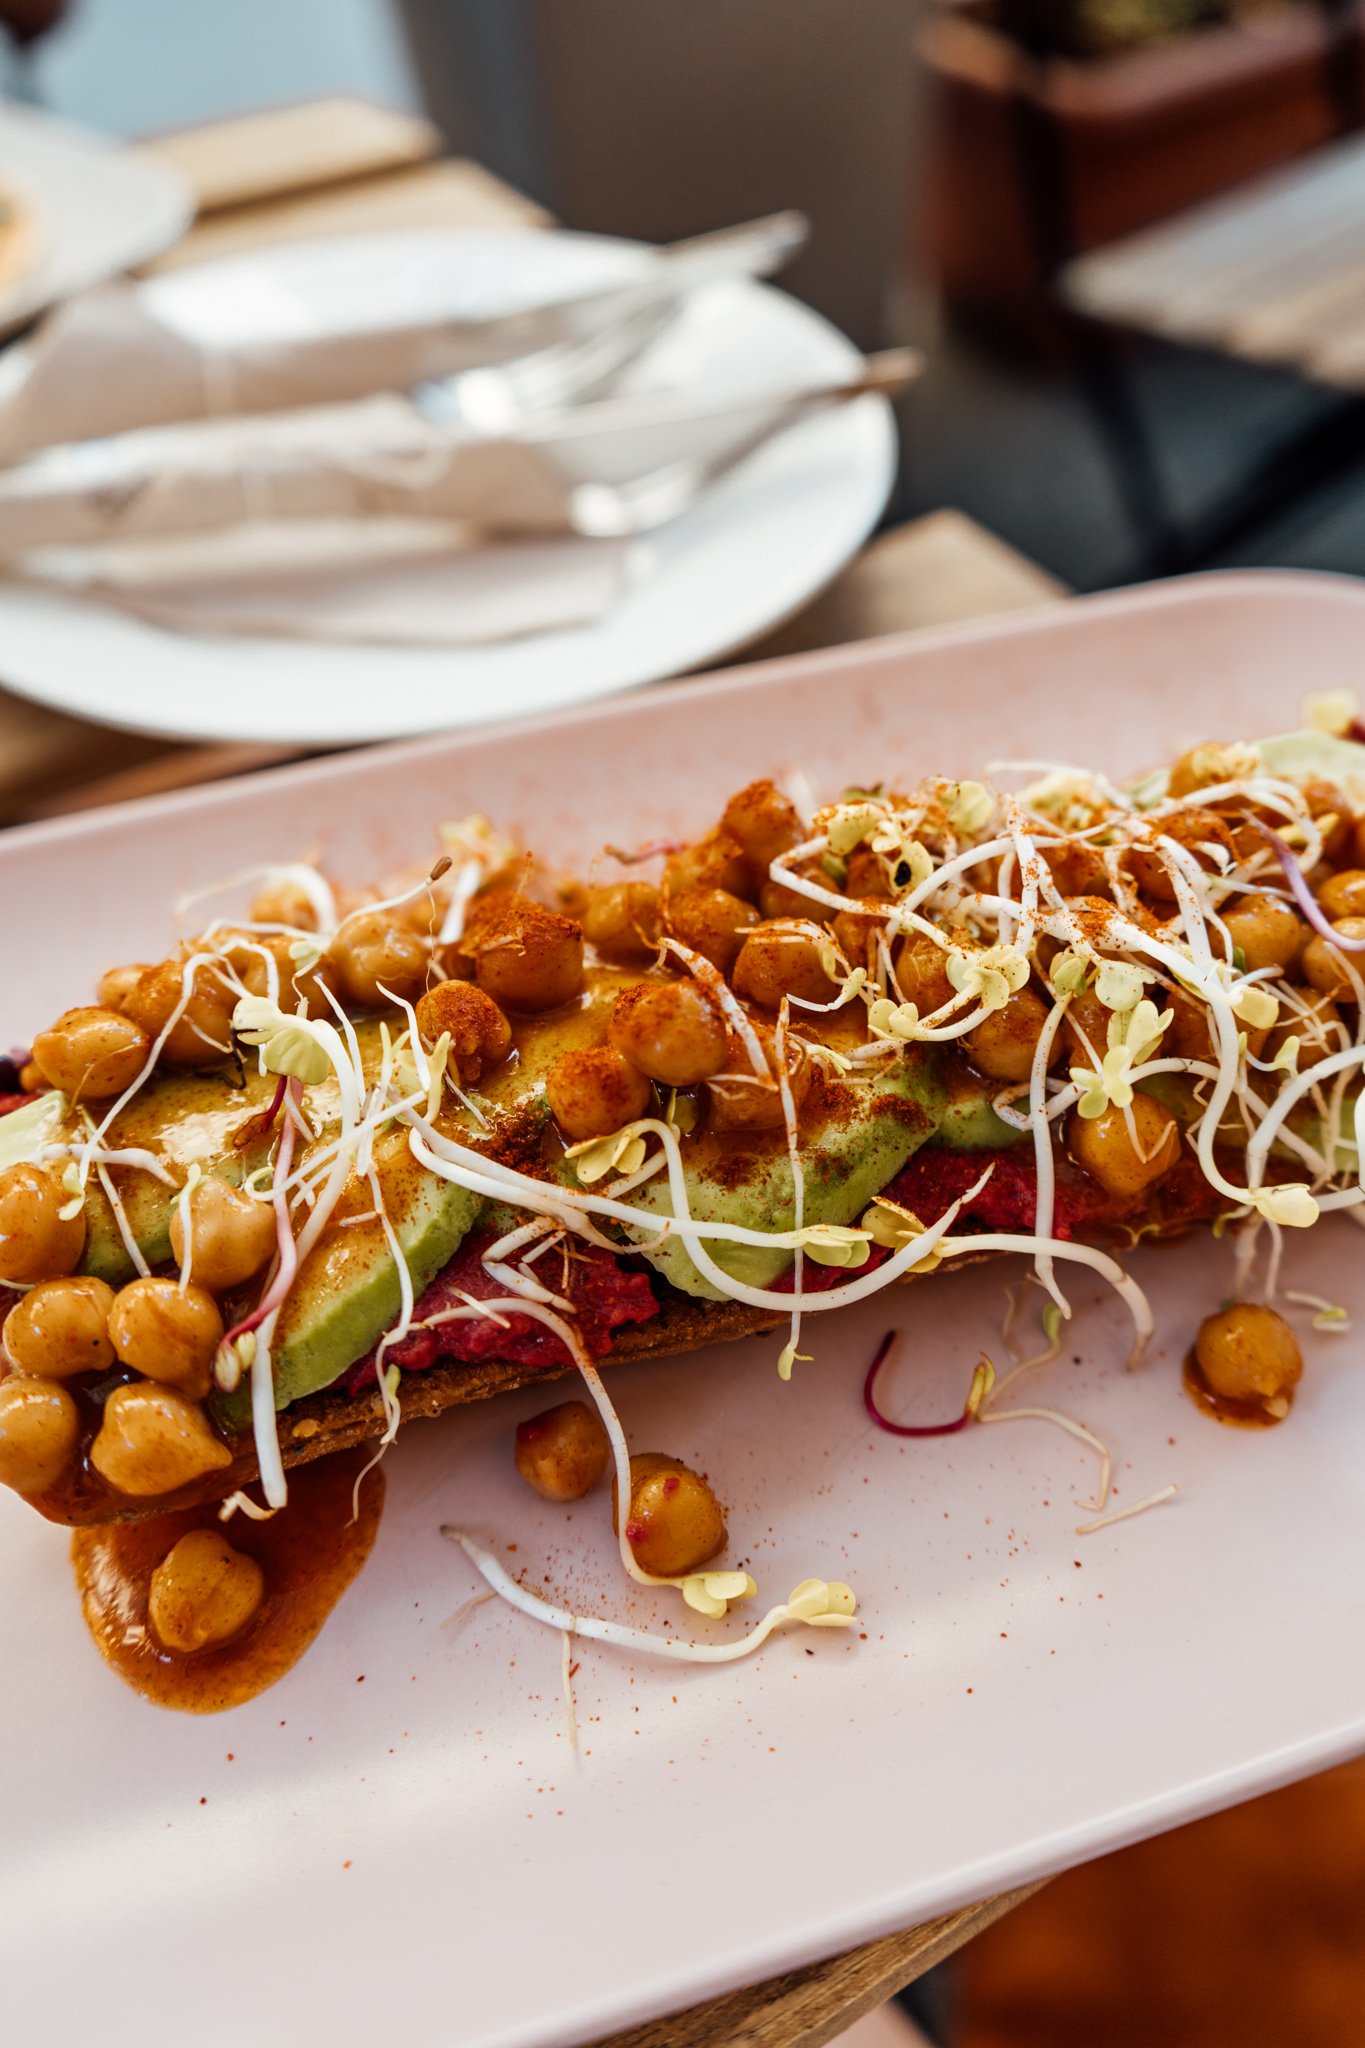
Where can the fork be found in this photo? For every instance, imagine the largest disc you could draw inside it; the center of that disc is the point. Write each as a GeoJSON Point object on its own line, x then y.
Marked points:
{"type": "Point", "coordinates": [608, 330]}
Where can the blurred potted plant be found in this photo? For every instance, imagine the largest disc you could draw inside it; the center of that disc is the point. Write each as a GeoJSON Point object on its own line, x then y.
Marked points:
{"type": "Point", "coordinates": [1061, 124]}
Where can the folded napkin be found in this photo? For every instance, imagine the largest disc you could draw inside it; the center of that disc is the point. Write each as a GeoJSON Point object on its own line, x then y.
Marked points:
{"type": "Point", "coordinates": [106, 363]}
{"type": "Point", "coordinates": [383, 457]}
{"type": "Point", "coordinates": [394, 582]}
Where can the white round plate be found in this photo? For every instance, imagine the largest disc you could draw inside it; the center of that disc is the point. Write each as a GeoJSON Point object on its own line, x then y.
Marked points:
{"type": "Point", "coordinates": [98, 207]}
{"type": "Point", "coordinates": [747, 556]}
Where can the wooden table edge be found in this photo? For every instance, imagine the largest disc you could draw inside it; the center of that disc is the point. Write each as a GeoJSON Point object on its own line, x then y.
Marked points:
{"type": "Point", "coordinates": [806, 2008]}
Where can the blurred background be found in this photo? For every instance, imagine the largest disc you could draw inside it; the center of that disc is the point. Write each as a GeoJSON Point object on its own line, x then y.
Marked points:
{"type": "Point", "coordinates": [953, 159]}
{"type": "Point", "coordinates": [1119, 382]}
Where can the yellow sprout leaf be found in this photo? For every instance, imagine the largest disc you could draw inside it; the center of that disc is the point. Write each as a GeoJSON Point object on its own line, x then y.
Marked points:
{"type": "Point", "coordinates": [1119, 985]}
{"type": "Point", "coordinates": [1291, 1205]}
{"type": "Point", "coordinates": [787, 1359]}
{"type": "Point", "coordinates": [288, 1044]}
{"type": "Point", "coordinates": [1287, 1058]}
{"type": "Point", "coordinates": [970, 808]}
{"type": "Point", "coordinates": [1255, 1006]}
{"type": "Point", "coordinates": [850, 824]}
{"type": "Point", "coordinates": [1070, 971]}
{"type": "Point", "coordinates": [624, 1152]}
{"type": "Point", "coordinates": [834, 1244]}
{"type": "Point", "coordinates": [893, 1020]}
{"type": "Point", "coordinates": [992, 976]}
{"type": "Point", "coordinates": [822, 1603]}
{"type": "Point", "coordinates": [888, 1224]}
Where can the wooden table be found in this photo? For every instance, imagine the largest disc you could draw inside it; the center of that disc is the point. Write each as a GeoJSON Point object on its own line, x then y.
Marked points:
{"type": "Point", "coordinates": [332, 167]}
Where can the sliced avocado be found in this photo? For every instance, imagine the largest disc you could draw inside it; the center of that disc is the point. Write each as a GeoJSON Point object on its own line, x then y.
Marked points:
{"type": "Point", "coordinates": [970, 1124]}
{"type": "Point", "coordinates": [347, 1293]}
{"type": "Point", "coordinates": [182, 1120]}
{"type": "Point", "coordinates": [1307, 754]}
{"type": "Point", "coordinates": [847, 1159]}
{"type": "Point", "coordinates": [24, 1131]}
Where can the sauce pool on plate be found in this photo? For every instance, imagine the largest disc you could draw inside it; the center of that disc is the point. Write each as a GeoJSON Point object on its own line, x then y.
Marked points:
{"type": "Point", "coordinates": [308, 1554]}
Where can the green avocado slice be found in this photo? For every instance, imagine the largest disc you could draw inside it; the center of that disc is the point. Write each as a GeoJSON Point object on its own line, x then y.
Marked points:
{"type": "Point", "coordinates": [846, 1160]}
{"type": "Point", "coordinates": [347, 1293]}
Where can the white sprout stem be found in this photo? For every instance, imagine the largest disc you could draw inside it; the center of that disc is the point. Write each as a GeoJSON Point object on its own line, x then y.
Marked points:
{"type": "Point", "coordinates": [794, 1159]}
{"type": "Point", "coordinates": [714, 982]}
{"type": "Point", "coordinates": [304, 878]}
{"type": "Point", "coordinates": [463, 890]}
{"type": "Point", "coordinates": [1128, 1291]}
{"type": "Point", "coordinates": [1136, 1507]}
{"type": "Point", "coordinates": [620, 1633]}
{"type": "Point", "coordinates": [1289, 1096]}
{"type": "Point", "coordinates": [1069, 1423]}
{"type": "Point", "coordinates": [1043, 1168]}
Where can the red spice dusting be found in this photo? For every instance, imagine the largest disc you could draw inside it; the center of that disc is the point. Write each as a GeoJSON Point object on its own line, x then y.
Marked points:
{"type": "Point", "coordinates": [670, 1485]}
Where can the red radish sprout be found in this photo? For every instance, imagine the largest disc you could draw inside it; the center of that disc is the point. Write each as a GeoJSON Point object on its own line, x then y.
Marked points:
{"type": "Point", "coordinates": [958, 1422]}
{"type": "Point", "coordinates": [1305, 898]}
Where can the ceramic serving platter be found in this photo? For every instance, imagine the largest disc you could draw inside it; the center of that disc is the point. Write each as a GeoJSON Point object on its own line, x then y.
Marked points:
{"type": "Point", "coordinates": [398, 1841]}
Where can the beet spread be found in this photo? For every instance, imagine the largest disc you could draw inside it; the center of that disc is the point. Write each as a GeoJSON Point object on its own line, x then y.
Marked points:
{"type": "Point", "coordinates": [936, 1177]}
{"type": "Point", "coordinates": [604, 1295]}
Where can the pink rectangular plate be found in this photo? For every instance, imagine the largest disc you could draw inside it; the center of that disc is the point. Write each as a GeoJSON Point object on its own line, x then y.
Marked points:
{"type": "Point", "coordinates": [398, 1836]}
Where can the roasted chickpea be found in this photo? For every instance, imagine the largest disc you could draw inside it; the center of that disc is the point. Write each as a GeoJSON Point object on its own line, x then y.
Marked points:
{"type": "Point", "coordinates": [622, 922]}
{"type": "Point", "coordinates": [1248, 1353]}
{"type": "Point", "coordinates": [1343, 894]}
{"type": "Point", "coordinates": [1269, 933]}
{"type": "Point", "coordinates": [1196, 831]}
{"type": "Point", "coordinates": [763, 822]}
{"type": "Point", "coordinates": [527, 957]}
{"type": "Point", "coordinates": [1189, 1035]}
{"type": "Point", "coordinates": [562, 1452]}
{"type": "Point", "coordinates": [592, 1091]}
{"type": "Point", "coordinates": [782, 958]}
{"type": "Point", "coordinates": [1196, 769]}
{"type": "Point", "coordinates": [203, 1593]}
{"type": "Point", "coordinates": [1003, 1044]}
{"type": "Point", "coordinates": [371, 952]}
{"type": "Point", "coordinates": [1077, 868]}
{"type": "Point", "coordinates": [1104, 1147]}
{"type": "Point", "coordinates": [480, 1035]}
{"type": "Point", "coordinates": [202, 1033]}
{"type": "Point", "coordinates": [36, 1243]}
{"type": "Point", "coordinates": [866, 876]}
{"type": "Point", "coordinates": [166, 1333]}
{"type": "Point", "coordinates": [711, 921]}
{"type": "Point", "coordinates": [1085, 1027]}
{"type": "Point", "coordinates": [1357, 842]}
{"type": "Point", "coordinates": [231, 1237]}
{"type": "Point", "coordinates": [1331, 810]}
{"type": "Point", "coordinates": [153, 1440]}
{"type": "Point", "coordinates": [61, 1327]}
{"type": "Point", "coordinates": [716, 862]}
{"type": "Point", "coordinates": [741, 1102]}
{"type": "Point", "coordinates": [39, 1426]}
{"type": "Point", "coordinates": [253, 955]}
{"type": "Point", "coordinates": [922, 972]}
{"type": "Point", "coordinates": [675, 1523]}
{"type": "Point", "coordinates": [91, 1053]}
{"type": "Point", "coordinates": [672, 1031]}
{"type": "Point", "coordinates": [424, 913]}
{"type": "Point", "coordinates": [1318, 1028]}
{"type": "Point", "coordinates": [118, 983]}
{"type": "Point", "coordinates": [856, 933]}
{"type": "Point", "coordinates": [1328, 968]}
{"type": "Point", "coordinates": [284, 903]}
{"type": "Point", "coordinates": [775, 899]}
